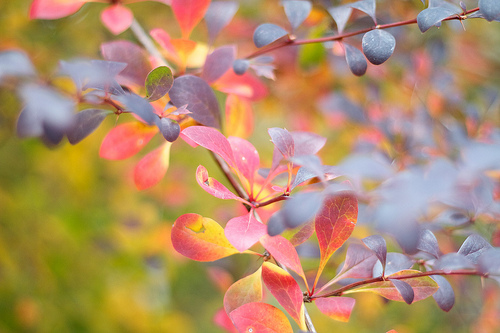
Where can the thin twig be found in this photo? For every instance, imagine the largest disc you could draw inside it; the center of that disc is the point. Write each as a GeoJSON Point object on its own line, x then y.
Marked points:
{"type": "Point", "coordinates": [148, 44]}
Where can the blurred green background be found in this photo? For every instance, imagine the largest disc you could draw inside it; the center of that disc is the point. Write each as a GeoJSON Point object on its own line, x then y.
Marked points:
{"type": "Point", "coordinates": [81, 250]}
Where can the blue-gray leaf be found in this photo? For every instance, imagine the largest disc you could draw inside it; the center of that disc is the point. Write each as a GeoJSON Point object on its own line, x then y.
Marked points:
{"type": "Point", "coordinates": [355, 60]}
{"type": "Point", "coordinates": [490, 9]}
{"type": "Point", "coordinates": [432, 16]}
{"type": "Point", "coordinates": [378, 45]}
{"type": "Point", "coordinates": [297, 11]}
{"type": "Point", "coordinates": [267, 33]}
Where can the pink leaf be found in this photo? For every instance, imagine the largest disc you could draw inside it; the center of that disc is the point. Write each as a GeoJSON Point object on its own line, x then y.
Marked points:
{"type": "Point", "coordinates": [117, 18]}
{"type": "Point", "coordinates": [126, 140]}
{"type": "Point", "coordinates": [152, 167]}
{"type": "Point", "coordinates": [222, 320]}
{"type": "Point", "coordinates": [212, 140]}
{"type": "Point", "coordinates": [189, 13]}
{"type": "Point", "coordinates": [282, 140]}
{"type": "Point", "coordinates": [338, 308]}
{"type": "Point", "coordinates": [334, 224]}
{"type": "Point", "coordinates": [284, 252]}
{"type": "Point", "coordinates": [54, 9]}
{"type": "Point", "coordinates": [260, 318]}
{"type": "Point", "coordinates": [243, 291]}
{"type": "Point", "coordinates": [244, 85]}
{"type": "Point", "coordinates": [286, 291]}
{"type": "Point", "coordinates": [246, 158]}
{"type": "Point", "coordinates": [213, 187]}
{"type": "Point", "coordinates": [307, 143]}
{"type": "Point", "coordinates": [244, 231]}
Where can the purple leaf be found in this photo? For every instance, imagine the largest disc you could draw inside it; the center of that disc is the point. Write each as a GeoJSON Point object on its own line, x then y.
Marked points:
{"type": "Point", "coordinates": [453, 261]}
{"type": "Point", "coordinates": [473, 247]}
{"type": "Point", "coordinates": [169, 128]}
{"type": "Point", "coordinates": [15, 63]}
{"type": "Point", "coordinates": [490, 9]}
{"type": "Point", "coordinates": [310, 162]}
{"type": "Point", "coordinates": [428, 243]}
{"type": "Point", "coordinates": [489, 262]}
{"type": "Point", "coordinates": [199, 97]}
{"type": "Point", "coordinates": [340, 15]}
{"type": "Point", "coordinates": [444, 296]}
{"type": "Point", "coordinates": [139, 106]}
{"type": "Point", "coordinates": [355, 60]}
{"type": "Point", "coordinates": [304, 174]}
{"type": "Point", "coordinates": [337, 103]}
{"type": "Point", "coordinates": [378, 45]}
{"type": "Point", "coordinates": [301, 208]}
{"type": "Point", "coordinates": [263, 66]}
{"type": "Point", "coordinates": [404, 289]}
{"type": "Point", "coordinates": [395, 262]}
{"type": "Point", "coordinates": [136, 58]}
{"type": "Point", "coordinates": [158, 82]}
{"type": "Point", "coordinates": [276, 224]}
{"type": "Point", "coordinates": [86, 122]}
{"type": "Point", "coordinates": [283, 141]}
{"type": "Point", "coordinates": [359, 263]}
{"type": "Point", "coordinates": [267, 33]}
{"type": "Point", "coordinates": [218, 15]}
{"type": "Point", "coordinates": [432, 16]}
{"type": "Point", "coordinates": [377, 244]}
{"type": "Point", "coordinates": [240, 66]}
{"type": "Point", "coordinates": [218, 62]}
{"type": "Point", "coordinates": [297, 12]}
{"type": "Point", "coordinates": [307, 143]}
{"type": "Point", "coordinates": [366, 6]}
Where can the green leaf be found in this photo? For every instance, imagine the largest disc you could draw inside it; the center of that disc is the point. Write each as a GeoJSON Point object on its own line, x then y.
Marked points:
{"type": "Point", "coordinates": [158, 82]}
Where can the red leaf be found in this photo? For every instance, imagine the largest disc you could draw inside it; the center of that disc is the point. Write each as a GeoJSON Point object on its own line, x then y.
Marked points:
{"type": "Point", "coordinates": [126, 140]}
{"type": "Point", "coordinates": [215, 188]}
{"type": "Point", "coordinates": [423, 287]}
{"type": "Point", "coordinates": [222, 320]}
{"type": "Point", "coordinates": [244, 231]}
{"type": "Point", "coordinates": [152, 167]}
{"type": "Point", "coordinates": [239, 116]}
{"type": "Point", "coordinates": [200, 238]}
{"type": "Point", "coordinates": [246, 158]}
{"type": "Point", "coordinates": [189, 13]}
{"type": "Point", "coordinates": [334, 224]}
{"type": "Point", "coordinates": [244, 85]}
{"type": "Point", "coordinates": [338, 308]}
{"type": "Point", "coordinates": [243, 291]}
{"type": "Point", "coordinates": [284, 252]}
{"type": "Point", "coordinates": [286, 291]}
{"type": "Point", "coordinates": [212, 140]}
{"type": "Point", "coordinates": [260, 318]}
{"type": "Point", "coordinates": [54, 9]}
{"type": "Point", "coordinates": [302, 234]}
{"type": "Point", "coordinates": [117, 18]}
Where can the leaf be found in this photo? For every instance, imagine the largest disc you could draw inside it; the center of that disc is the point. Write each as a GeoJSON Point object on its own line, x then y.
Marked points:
{"type": "Point", "coordinates": [158, 82]}
{"type": "Point", "coordinates": [54, 9]}
{"type": "Point", "coordinates": [489, 262]}
{"type": "Point", "coordinates": [307, 143]}
{"type": "Point", "coordinates": [199, 97]}
{"type": "Point", "coordinates": [244, 231]}
{"type": "Point", "coordinates": [152, 167]}
{"type": "Point", "coordinates": [473, 247]}
{"type": "Point", "coordinates": [283, 140]}
{"type": "Point", "coordinates": [117, 18]}
{"type": "Point", "coordinates": [261, 318]}
{"type": "Point", "coordinates": [189, 13]}
{"type": "Point", "coordinates": [355, 60]}
{"type": "Point", "coordinates": [212, 140]}
{"type": "Point", "coordinates": [378, 45]}
{"type": "Point", "coordinates": [404, 289]}
{"type": "Point", "coordinates": [126, 140]}
{"type": "Point", "coordinates": [366, 6]}
{"type": "Point", "coordinates": [395, 262]}
{"type": "Point", "coordinates": [124, 51]}
{"type": "Point", "coordinates": [267, 33]}
{"type": "Point", "coordinates": [286, 291]}
{"type": "Point", "coordinates": [243, 291]}
{"type": "Point", "coordinates": [200, 238]}
{"type": "Point", "coordinates": [15, 63]}
{"type": "Point", "coordinates": [301, 207]}
{"type": "Point", "coordinates": [432, 16]}
{"type": "Point", "coordinates": [490, 9]}
{"type": "Point", "coordinates": [86, 122]}
{"type": "Point", "coordinates": [340, 15]}
{"type": "Point", "coordinates": [377, 244]}
{"type": "Point", "coordinates": [303, 234]}
{"type": "Point", "coordinates": [222, 320]}
{"type": "Point", "coordinates": [218, 15]}
{"type": "Point", "coordinates": [423, 287]}
{"type": "Point", "coordinates": [139, 106]}
{"type": "Point", "coordinates": [218, 62]}
{"type": "Point", "coordinates": [246, 158]}
{"type": "Point", "coordinates": [169, 128]}
{"type": "Point", "coordinates": [240, 66]}
{"type": "Point", "coordinates": [445, 296]}
{"type": "Point", "coordinates": [297, 12]}
{"type": "Point", "coordinates": [213, 187]}
{"type": "Point", "coordinates": [239, 116]}
{"type": "Point", "coordinates": [244, 85]}
{"type": "Point", "coordinates": [334, 224]}
{"type": "Point", "coordinates": [337, 308]}
{"type": "Point", "coordinates": [284, 252]}
{"type": "Point", "coordinates": [428, 243]}
{"type": "Point", "coordinates": [453, 261]}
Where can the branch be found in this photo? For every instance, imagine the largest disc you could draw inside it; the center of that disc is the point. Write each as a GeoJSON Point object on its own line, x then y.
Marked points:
{"type": "Point", "coordinates": [148, 44]}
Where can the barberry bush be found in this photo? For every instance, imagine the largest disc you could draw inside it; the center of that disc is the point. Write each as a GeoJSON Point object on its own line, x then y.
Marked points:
{"type": "Point", "coordinates": [287, 166]}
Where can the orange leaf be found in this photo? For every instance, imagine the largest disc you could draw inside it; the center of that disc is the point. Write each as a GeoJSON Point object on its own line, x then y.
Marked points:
{"type": "Point", "coordinates": [126, 140]}
{"type": "Point", "coordinates": [286, 291]}
{"type": "Point", "coordinates": [243, 291]}
{"type": "Point", "coordinates": [183, 49]}
{"type": "Point", "coordinates": [152, 167]}
{"type": "Point", "coordinates": [239, 116]}
{"type": "Point", "coordinates": [338, 308]}
{"type": "Point", "coordinates": [54, 9]}
{"type": "Point", "coordinates": [189, 13]}
{"type": "Point", "coordinates": [259, 317]}
{"type": "Point", "coordinates": [200, 238]}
